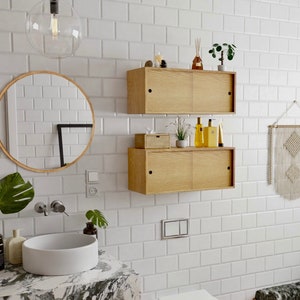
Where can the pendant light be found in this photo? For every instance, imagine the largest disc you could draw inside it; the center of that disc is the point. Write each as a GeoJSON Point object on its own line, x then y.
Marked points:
{"type": "Point", "coordinates": [53, 28]}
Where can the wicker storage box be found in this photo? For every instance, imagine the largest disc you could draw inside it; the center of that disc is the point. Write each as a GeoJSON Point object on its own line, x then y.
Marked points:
{"type": "Point", "coordinates": [152, 141]}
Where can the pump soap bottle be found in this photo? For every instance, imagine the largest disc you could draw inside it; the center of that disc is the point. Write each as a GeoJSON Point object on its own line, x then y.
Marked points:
{"type": "Point", "coordinates": [199, 137]}
{"type": "Point", "coordinates": [14, 247]}
{"type": "Point", "coordinates": [210, 135]}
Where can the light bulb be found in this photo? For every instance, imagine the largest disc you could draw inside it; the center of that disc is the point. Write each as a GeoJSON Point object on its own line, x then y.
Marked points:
{"type": "Point", "coordinates": [54, 20]}
{"type": "Point", "coordinates": [53, 28]}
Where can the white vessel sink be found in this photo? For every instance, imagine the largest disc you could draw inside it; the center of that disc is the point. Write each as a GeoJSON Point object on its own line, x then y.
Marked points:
{"type": "Point", "coordinates": [60, 254]}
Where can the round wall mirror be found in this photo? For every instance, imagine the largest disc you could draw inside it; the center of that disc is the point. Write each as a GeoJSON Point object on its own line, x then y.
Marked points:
{"type": "Point", "coordinates": [47, 121]}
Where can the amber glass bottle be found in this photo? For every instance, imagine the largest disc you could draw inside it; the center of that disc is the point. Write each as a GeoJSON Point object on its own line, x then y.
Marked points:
{"type": "Point", "coordinates": [197, 63]}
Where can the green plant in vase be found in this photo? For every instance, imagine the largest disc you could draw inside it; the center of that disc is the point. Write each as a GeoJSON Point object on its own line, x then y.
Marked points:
{"type": "Point", "coordinates": [223, 49]}
{"type": "Point", "coordinates": [96, 218]}
{"type": "Point", "coordinates": [182, 131]}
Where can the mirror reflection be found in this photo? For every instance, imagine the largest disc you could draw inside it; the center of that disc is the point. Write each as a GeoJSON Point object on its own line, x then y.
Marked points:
{"type": "Point", "coordinates": [47, 121]}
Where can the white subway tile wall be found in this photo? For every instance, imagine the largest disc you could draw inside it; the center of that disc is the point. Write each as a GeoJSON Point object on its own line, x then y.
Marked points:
{"type": "Point", "coordinates": [240, 239]}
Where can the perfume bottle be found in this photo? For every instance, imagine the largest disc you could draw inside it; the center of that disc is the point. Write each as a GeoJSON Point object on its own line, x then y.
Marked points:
{"type": "Point", "coordinates": [197, 61]}
{"type": "Point", "coordinates": [199, 137]}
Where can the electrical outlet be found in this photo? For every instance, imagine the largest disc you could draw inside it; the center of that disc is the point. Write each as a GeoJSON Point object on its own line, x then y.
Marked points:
{"type": "Point", "coordinates": [91, 191]}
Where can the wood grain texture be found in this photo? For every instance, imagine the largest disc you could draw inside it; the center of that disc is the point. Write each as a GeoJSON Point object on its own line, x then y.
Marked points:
{"type": "Point", "coordinates": [180, 91]}
{"type": "Point", "coordinates": [156, 171]}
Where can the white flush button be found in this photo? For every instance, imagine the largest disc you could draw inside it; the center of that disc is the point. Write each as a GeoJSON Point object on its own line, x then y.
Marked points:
{"type": "Point", "coordinates": [183, 227]}
{"type": "Point", "coordinates": [171, 228]}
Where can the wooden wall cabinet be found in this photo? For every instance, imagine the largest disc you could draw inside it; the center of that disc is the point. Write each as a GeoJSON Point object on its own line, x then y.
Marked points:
{"type": "Point", "coordinates": [180, 91]}
{"type": "Point", "coordinates": [176, 170]}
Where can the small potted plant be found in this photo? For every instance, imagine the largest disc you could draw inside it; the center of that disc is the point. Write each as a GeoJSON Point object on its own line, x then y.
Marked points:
{"type": "Point", "coordinates": [182, 131]}
{"type": "Point", "coordinates": [96, 218]}
{"type": "Point", "coordinates": [229, 50]}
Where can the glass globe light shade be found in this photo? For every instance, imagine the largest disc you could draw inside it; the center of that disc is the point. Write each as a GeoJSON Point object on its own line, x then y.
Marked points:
{"type": "Point", "coordinates": [57, 33]}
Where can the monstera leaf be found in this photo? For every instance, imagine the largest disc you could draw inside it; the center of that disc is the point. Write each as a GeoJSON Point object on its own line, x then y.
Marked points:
{"type": "Point", "coordinates": [96, 217]}
{"type": "Point", "coordinates": [15, 193]}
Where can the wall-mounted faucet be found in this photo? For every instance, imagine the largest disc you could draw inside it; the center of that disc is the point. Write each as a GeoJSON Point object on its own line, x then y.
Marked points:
{"type": "Point", "coordinates": [55, 206]}
{"type": "Point", "coordinates": [58, 206]}
{"type": "Point", "coordinates": [41, 207]}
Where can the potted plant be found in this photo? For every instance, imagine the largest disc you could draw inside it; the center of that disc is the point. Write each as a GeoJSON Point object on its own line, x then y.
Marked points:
{"type": "Point", "coordinates": [182, 131]}
{"type": "Point", "coordinates": [15, 193]}
{"type": "Point", "coordinates": [229, 50]}
{"type": "Point", "coordinates": [96, 218]}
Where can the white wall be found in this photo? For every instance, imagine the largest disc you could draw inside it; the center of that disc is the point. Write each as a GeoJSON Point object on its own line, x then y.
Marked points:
{"type": "Point", "coordinates": [241, 239]}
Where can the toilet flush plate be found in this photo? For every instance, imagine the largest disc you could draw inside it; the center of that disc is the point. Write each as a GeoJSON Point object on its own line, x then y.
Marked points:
{"type": "Point", "coordinates": [174, 228]}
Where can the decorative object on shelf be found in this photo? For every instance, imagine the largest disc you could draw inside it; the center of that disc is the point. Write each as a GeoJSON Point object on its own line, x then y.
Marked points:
{"type": "Point", "coordinates": [228, 48]}
{"type": "Point", "coordinates": [286, 160]}
{"type": "Point", "coordinates": [152, 141]}
{"type": "Point", "coordinates": [182, 131]}
{"type": "Point", "coordinates": [53, 28]}
{"type": "Point", "coordinates": [149, 63]}
{"type": "Point", "coordinates": [197, 61]}
{"type": "Point", "coordinates": [163, 64]}
{"type": "Point", "coordinates": [15, 194]}
{"type": "Point", "coordinates": [96, 218]}
{"type": "Point", "coordinates": [157, 60]}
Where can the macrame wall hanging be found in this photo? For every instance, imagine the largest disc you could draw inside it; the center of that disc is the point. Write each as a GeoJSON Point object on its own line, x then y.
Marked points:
{"type": "Point", "coordinates": [284, 157]}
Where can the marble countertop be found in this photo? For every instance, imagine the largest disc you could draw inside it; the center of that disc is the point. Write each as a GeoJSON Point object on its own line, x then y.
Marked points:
{"type": "Point", "coordinates": [110, 279]}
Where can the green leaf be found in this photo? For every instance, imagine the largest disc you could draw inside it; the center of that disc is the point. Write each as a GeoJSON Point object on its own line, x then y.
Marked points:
{"type": "Point", "coordinates": [216, 45]}
{"type": "Point", "coordinates": [15, 193]}
{"type": "Point", "coordinates": [97, 218]}
{"type": "Point", "coordinates": [219, 48]}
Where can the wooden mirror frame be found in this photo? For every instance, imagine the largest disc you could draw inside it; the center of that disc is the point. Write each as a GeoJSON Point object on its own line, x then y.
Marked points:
{"type": "Point", "coordinates": [20, 164]}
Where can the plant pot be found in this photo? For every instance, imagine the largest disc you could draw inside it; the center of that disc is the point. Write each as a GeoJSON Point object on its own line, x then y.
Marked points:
{"type": "Point", "coordinates": [221, 68]}
{"type": "Point", "coordinates": [181, 143]}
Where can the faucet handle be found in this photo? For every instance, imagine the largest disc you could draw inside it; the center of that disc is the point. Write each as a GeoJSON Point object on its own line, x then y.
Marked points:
{"type": "Point", "coordinates": [41, 207]}
{"type": "Point", "coordinates": [58, 206]}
